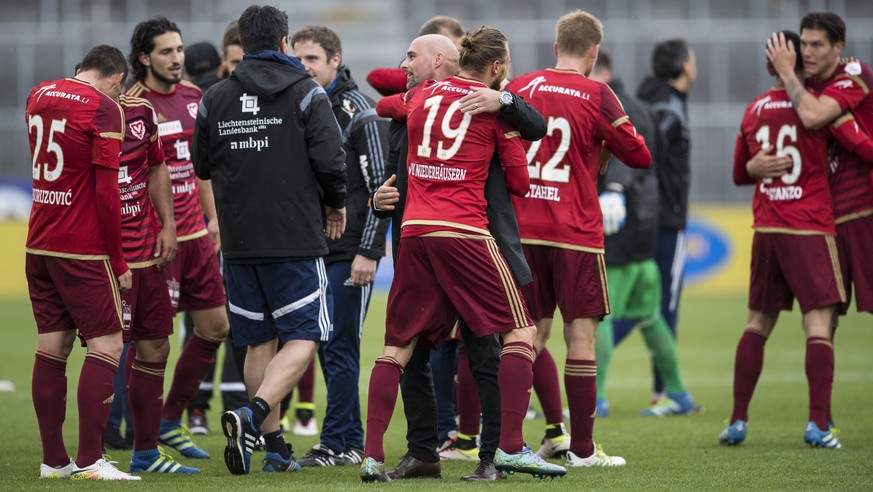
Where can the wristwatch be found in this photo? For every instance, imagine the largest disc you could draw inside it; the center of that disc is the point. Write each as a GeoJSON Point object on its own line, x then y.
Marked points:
{"type": "Point", "coordinates": [506, 100]}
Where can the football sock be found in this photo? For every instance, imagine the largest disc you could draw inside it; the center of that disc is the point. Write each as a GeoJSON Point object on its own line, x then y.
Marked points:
{"type": "Point", "coordinates": [306, 386]}
{"type": "Point", "coordinates": [662, 346]}
{"type": "Point", "coordinates": [275, 442]}
{"type": "Point", "coordinates": [95, 397]}
{"type": "Point", "coordinates": [260, 409]}
{"type": "Point", "coordinates": [128, 363]}
{"type": "Point", "coordinates": [467, 396]}
{"type": "Point", "coordinates": [820, 376]}
{"type": "Point", "coordinates": [49, 394]}
{"type": "Point", "coordinates": [580, 381]}
{"type": "Point", "coordinates": [195, 360]}
{"type": "Point", "coordinates": [603, 347]}
{"type": "Point", "coordinates": [515, 379]}
{"type": "Point", "coordinates": [747, 368]}
{"type": "Point", "coordinates": [382, 396]}
{"type": "Point", "coordinates": [145, 388]}
{"type": "Point", "coordinates": [547, 387]}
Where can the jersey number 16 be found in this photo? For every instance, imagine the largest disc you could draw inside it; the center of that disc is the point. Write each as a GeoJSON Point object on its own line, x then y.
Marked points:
{"type": "Point", "coordinates": [789, 133]}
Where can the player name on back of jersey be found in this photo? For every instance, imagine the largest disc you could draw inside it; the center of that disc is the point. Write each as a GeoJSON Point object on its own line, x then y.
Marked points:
{"type": "Point", "coordinates": [439, 173]}
{"type": "Point", "coordinates": [542, 192]}
{"type": "Point", "coordinates": [781, 193]}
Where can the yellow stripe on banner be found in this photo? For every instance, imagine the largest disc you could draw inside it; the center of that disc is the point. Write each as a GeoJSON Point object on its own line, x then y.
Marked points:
{"type": "Point", "coordinates": [514, 307]}
{"type": "Point", "coordinates": [116, 293]}
{"type": "Point", "coordinates": [835, 264]}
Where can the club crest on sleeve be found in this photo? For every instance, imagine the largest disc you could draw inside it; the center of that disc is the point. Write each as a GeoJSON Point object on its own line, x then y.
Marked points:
{"type": "Point", "coordinates": [853, 68]}
{"type": "Point", "coordinates": [137, 129]}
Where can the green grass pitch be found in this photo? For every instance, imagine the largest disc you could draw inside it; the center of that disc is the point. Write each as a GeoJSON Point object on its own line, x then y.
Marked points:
{"type": "Point", "coordinates": [664, 454]}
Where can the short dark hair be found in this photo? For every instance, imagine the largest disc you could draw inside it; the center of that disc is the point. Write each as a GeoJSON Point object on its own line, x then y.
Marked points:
{"type": "Point", "coordinates": [828, 22]}
{"type": "Point", "coordinates": [793, 38]}
{"type": "Point", "coordinates": [105, 60]}
{"type": "Point", "coordinates": [231, 37]}
{"type": "Point", "coordinates": [143, 41]}
{"type": "Point", "coordinates": [668, 58]}
{"type": "Point", "coordinates": [324, 36]}
{"type": "Point", "coordinates": [262, 28]}
{"type": "Point", "coordinates": [440, 23]}
{"type": "Point", "coordinates": [480, 47]}
{"type": "Point", "coordinates": [604, 60]}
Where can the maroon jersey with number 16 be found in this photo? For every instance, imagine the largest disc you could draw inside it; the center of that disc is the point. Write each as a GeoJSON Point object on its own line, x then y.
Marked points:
{"type": "Point", "coordinates": [799, 201]}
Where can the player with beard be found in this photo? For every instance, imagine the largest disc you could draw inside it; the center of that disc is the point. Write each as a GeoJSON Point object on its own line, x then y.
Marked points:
{"type": "Point", "coordinates": [448, 263]}
{"type": "Point", "coordinates": [193, 279]}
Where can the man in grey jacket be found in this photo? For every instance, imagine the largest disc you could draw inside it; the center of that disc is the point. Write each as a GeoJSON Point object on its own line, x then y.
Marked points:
{"type": "Point", "coordinates": [268, 140]}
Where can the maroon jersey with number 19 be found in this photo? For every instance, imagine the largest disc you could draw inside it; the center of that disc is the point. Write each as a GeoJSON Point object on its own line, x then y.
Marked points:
{"type": "Point", "coordinates": [176, 114]}
{"type": "Point", "coordinates": [72, 127]}
{"type": "Point", "coordinates": [801, 199]}
{"type": "Point", "coordinates": [562, 208]}
{"type": "Point", "coordinates": [449, 157]}
{"type": "Point", "coordinates": [140, 151]}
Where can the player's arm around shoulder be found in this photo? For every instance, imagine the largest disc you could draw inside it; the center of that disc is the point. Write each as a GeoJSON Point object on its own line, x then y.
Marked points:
{"type": "Point", "coordinates": [524, 118]}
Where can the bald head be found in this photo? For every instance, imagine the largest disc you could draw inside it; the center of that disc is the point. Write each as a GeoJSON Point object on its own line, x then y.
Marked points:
{"type": "Point", "coordinates": [430, 57]}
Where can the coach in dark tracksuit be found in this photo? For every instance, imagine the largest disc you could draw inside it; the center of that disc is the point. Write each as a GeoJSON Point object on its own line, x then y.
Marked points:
{"type": "Point", "coordinates": [416, 385]}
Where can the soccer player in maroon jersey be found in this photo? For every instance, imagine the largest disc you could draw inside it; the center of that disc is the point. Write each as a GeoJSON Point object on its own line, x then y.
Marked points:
{"type": "Point", "coordinates": [838, 85]}
{"type": "Point", "coordinates": [560, 219]}
{"type": "Point", "coordinates": [75, 267]}
{"type": "Point", "coordinates": [193, 279]}
{"type": "Point", "coordinates": [794, 252]}
{"type": "Point", "coordinates": [149, 246]}
{"type": "Point", "coordinates": [449, 263]}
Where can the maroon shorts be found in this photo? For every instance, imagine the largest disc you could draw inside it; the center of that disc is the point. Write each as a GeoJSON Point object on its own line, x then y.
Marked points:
{"type": "Point", "coordinates": [854, 239]}
{"type": "Point", "coordinates": [68, 294]}
{"type": "Point", "coordinates": [146, 312]}
{"type": "Point", "coordinates": [574, 281]}
{"type": "Point", "coordinates": [785, 266]}
{"type": "Point", "coordinates": [194, 278]}
{"type": "Point", "coordinates": [439, 278]}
